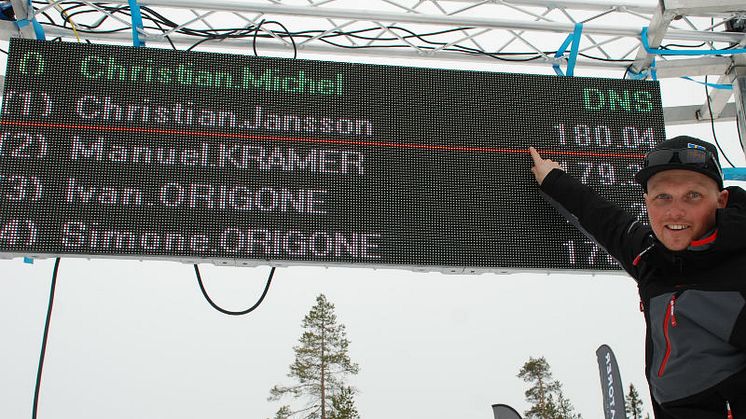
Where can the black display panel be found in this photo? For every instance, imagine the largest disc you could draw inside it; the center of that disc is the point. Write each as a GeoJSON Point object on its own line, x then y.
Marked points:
{"type": "Point", "coordinates": [113, 151]}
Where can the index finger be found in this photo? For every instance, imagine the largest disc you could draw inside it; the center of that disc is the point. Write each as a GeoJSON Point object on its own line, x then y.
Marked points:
{"type": "Point", "coordinates": [535, 155]}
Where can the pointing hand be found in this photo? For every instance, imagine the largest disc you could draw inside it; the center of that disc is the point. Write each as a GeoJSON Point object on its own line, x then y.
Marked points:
{"type": "Point", "coordinates": [541, 167]}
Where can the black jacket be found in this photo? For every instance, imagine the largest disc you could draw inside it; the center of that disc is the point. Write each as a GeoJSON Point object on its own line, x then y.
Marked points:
{"type": "Point", "coordinates": [693, 300]}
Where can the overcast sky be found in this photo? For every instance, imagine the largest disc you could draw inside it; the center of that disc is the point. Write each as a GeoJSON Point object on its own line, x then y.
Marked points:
{"type": "Point", "coordinates": [133, 339]}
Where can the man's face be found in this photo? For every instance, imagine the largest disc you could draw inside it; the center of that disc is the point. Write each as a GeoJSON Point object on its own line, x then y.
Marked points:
{"type": "Point", "coordinates": [681, 206]}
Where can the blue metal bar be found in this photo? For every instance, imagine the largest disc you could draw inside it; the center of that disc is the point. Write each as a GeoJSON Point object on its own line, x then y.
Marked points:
{"type": "Point", "coordinates": [734, 173]}
{"type": "Point", "coordinates": [574, 39]}
{"type": "Point", "coordinates": [38, 30]}
{"type": "Point", "coordinates": [136, 23]}
{"type": "Point", "coordinates": [575, 49]}
{"type": "Point", "coordinates": [722, 86]}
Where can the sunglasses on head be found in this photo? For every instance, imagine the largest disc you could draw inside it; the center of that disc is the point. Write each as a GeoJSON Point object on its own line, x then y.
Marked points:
{"type": "Point", "coordinates": [688, 156]}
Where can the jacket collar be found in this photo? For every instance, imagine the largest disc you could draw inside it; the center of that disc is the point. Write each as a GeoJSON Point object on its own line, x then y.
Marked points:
{"type": "Point", "coordinates": [705, 242]}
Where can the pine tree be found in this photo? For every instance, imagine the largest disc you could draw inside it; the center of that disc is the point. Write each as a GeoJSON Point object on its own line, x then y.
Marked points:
{"type": "Point", "coordinates": [283, 413]}
{"type": "Point", "coordinates": [536, 371]}
{"type": "Point", "coordinates": [564, 409]}
{"type": "Point", "coordinates": [343, 405]}
{"type": "Point", "coordinates": [545, 394]}
{"type": "Point", "coordinates": [633, 403]}
{"type": "Point", "coordinates": [321, 366]}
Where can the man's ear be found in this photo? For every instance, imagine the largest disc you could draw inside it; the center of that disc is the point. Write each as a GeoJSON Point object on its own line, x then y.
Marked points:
{"type": "Point", "coordinates": [723, 198]}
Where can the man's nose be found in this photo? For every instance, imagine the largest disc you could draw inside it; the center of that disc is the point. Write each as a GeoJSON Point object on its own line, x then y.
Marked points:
{"type": "Point", "coordinates": [676, 211]}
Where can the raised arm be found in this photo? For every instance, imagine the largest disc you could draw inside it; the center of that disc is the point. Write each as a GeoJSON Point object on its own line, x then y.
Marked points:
{"type": "Point", "coordinates": [601, 220]}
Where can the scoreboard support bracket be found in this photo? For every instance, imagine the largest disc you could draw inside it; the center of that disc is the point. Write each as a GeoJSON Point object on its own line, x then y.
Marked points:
{"type": "Point", "coordinates": [137, 25]}
{"type": "Point", "coordinates": [573, 38]}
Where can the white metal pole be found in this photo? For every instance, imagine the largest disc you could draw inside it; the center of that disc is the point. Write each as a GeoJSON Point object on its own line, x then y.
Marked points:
{"type": "Point", "coordinates": [453, 21]}
{"type": "Point", "coordinates": [739, 91]}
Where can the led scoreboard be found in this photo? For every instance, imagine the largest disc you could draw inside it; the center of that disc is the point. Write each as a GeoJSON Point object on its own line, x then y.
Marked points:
{"type": "Point", "coordinates": [110, 151]}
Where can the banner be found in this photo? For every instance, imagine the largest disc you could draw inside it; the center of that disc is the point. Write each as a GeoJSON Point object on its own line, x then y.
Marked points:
{"type": "Point", "coordinates": [503, 411]}
{"type": "Point", "coordinates": [611, 383]}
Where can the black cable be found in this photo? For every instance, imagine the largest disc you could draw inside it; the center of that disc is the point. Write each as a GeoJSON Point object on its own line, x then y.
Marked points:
{"type": "Point", "coordinates": [155, 17]}
{"type": "Point", "coordinates": [712, 125]}
{"type": "Point", "coordinates": [47, 16]}
{"type": "Point", "coordinates": [712, 117]}
{"type": "Point", "coordinates": [421, 37]}
{"type": "Point", "coordinates": [44, 339]}
{"type": "Point", "coordinates": [149, 12]}
{"type": "Point", "coordinates": [196, 44]}
{"type": "Point", "coordinates": [357, 33]}
{"type": "Point", "coordinates": [233, 313]}
{"type": "Point", "coordinates": [164, 31]}
{"type": "Point", "coordinates": [161, 21]}
{"type": "Point", "coordinates": [256, 31]}
{"type": "Point", "coordinates": [626, 71]}
{"type": "Point", "coordinates": [462, 49]}
{"type": "Point", "coordinates": [243, 33]}
{"type": "Point", "coordinates": [611, 60]}
{"type": "Point", "coordinates": [158, 19]}
{"type": "Point", "coordinates": [668, 46]}
{"type": "Point", "coordinates": [217, 37]}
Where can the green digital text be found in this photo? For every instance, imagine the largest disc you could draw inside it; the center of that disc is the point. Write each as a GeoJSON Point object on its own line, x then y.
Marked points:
{"type": "Point", "coordinates": [617, 100]}
{"type": "Point", "coordinates": [187, 74]}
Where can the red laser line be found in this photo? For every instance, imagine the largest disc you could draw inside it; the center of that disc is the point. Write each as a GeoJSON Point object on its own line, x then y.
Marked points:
{"type": "Point", "coordinates": [315, 140]}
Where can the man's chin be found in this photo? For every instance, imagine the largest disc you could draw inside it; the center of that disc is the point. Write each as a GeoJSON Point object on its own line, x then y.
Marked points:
{"type": "Point", "coordinates": [676, 245]}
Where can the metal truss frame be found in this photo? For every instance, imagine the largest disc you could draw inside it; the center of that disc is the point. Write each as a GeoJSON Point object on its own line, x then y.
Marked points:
{"type": "Point", "coordinates": [495, 33]}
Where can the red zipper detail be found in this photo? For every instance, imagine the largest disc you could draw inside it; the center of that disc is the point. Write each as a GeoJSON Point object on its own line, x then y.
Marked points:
{"type": "Point", "coordinates": [637, 260]}
{"type": "Point", "coordinates": [672, 304]}
{"type": "Point", "coordinates": [707, 240]}
{"type": "Point", "coordinates": [669, 318]}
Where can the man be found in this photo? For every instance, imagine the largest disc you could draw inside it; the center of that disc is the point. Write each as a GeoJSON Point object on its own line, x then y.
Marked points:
{"type": "Point", "coordinates": [690, 268]}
